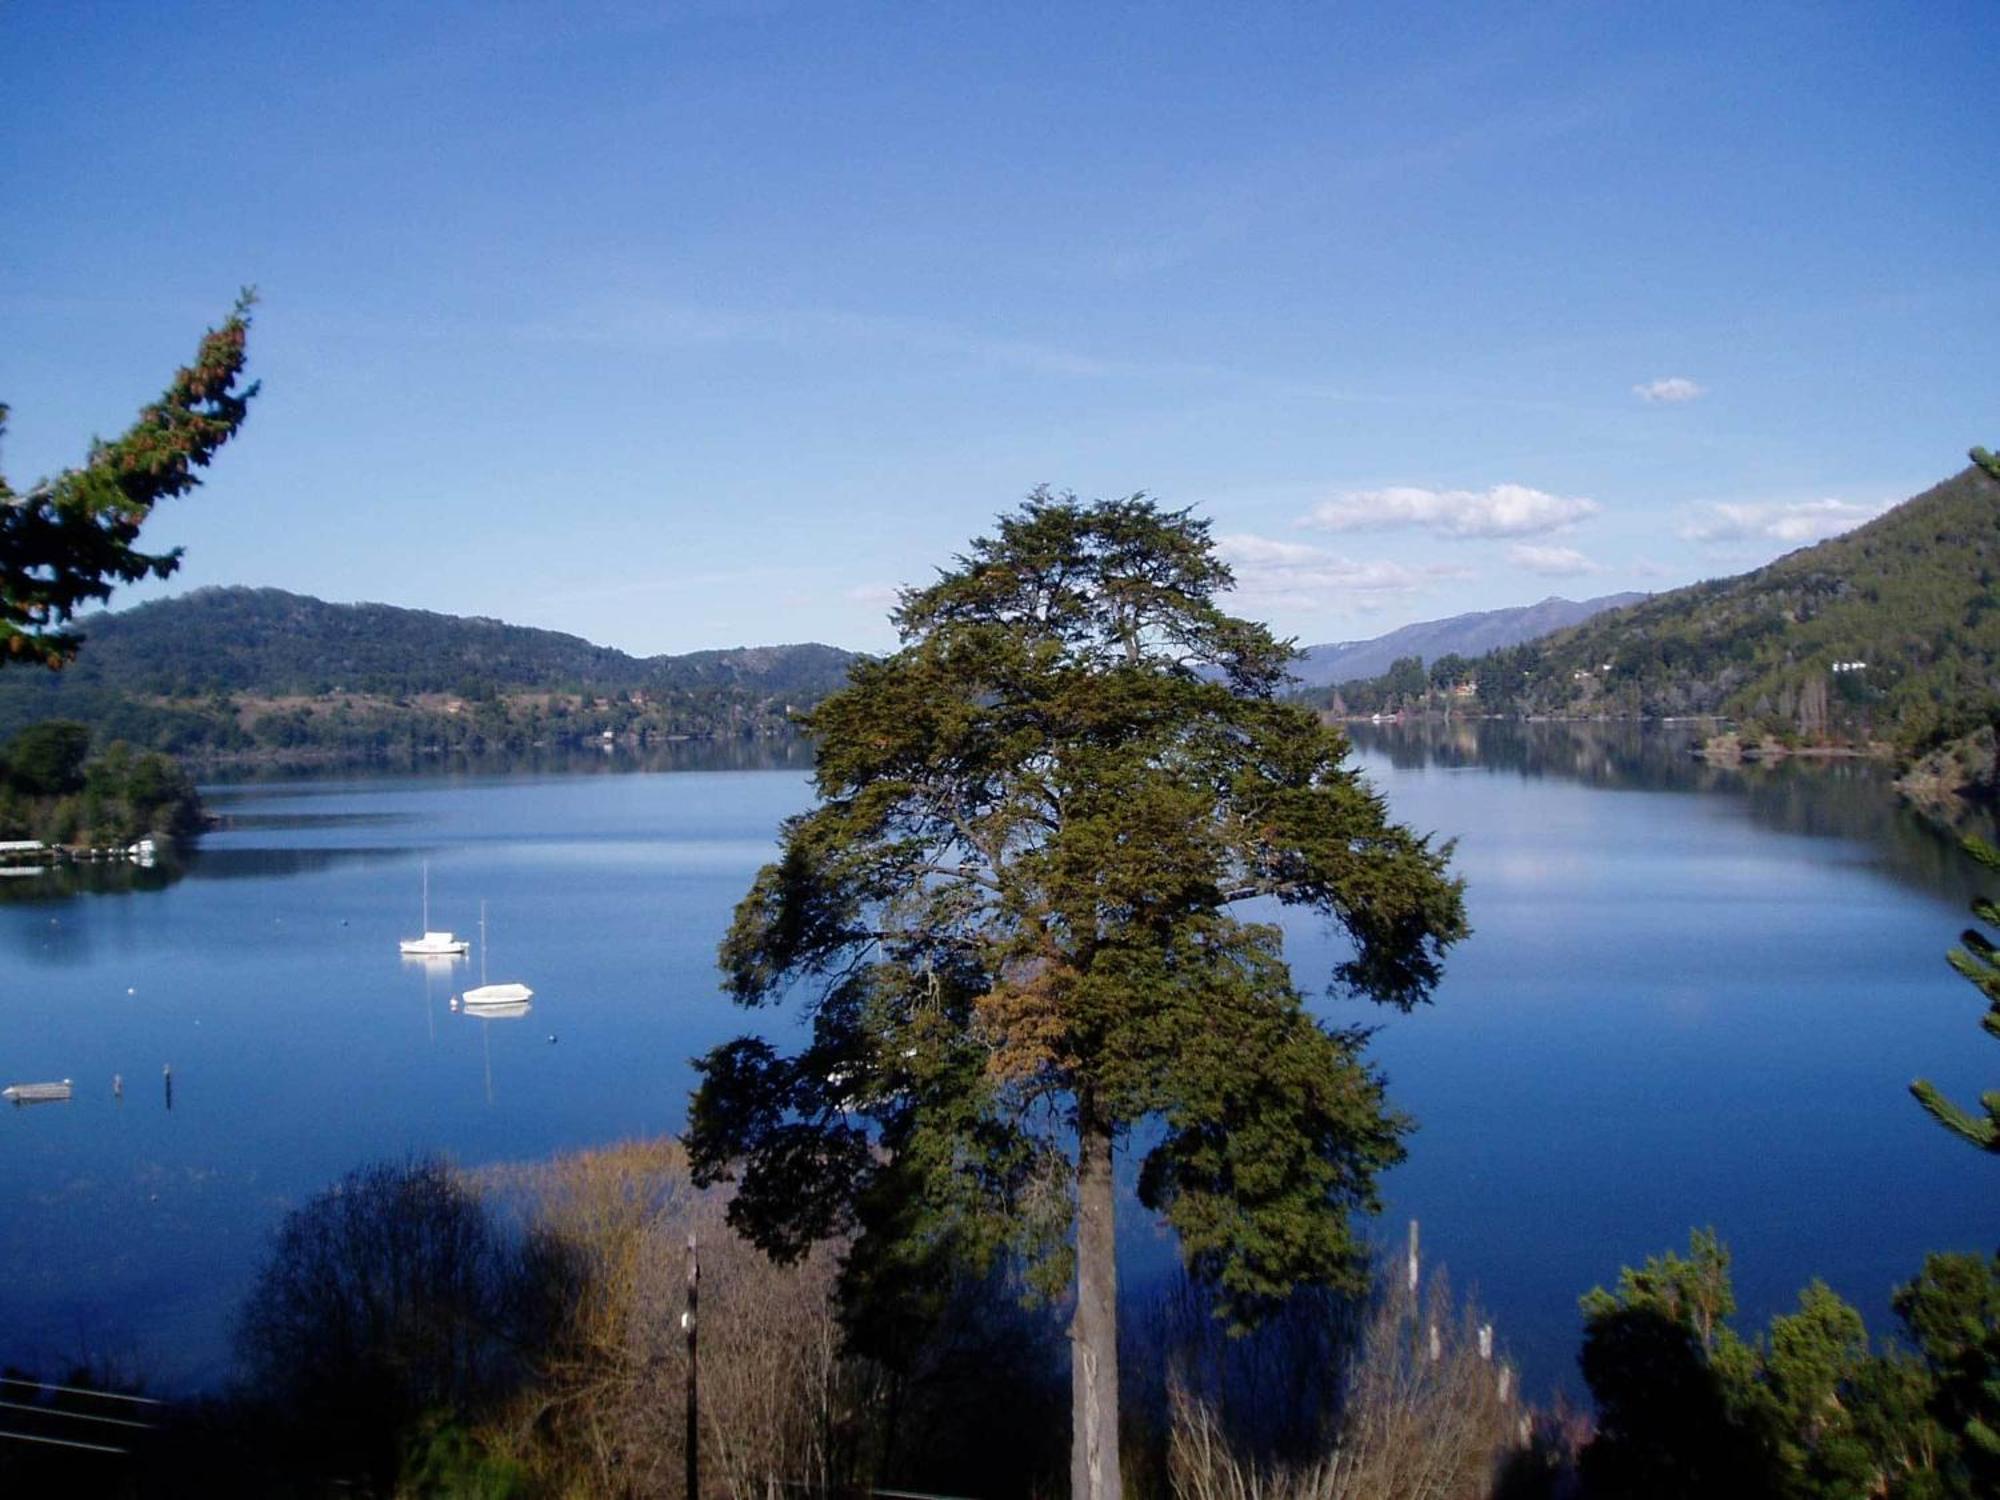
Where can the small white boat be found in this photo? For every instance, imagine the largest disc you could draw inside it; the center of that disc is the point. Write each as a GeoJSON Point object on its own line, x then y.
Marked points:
{"type": "Point", "coordinates": [36, 1093]}
{"type": "Point", "coordinates": [433, 944]}
{"type": "Point", "coordinates": [484, 995]}
{"type": "Point", "coordinates": [495, 994]}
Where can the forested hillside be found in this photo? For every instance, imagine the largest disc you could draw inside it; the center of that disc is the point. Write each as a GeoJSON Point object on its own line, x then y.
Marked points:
{"type": "Point", "coordinates": [243, 671]}
{"type": "Point", "coordinates": [1890, 631]}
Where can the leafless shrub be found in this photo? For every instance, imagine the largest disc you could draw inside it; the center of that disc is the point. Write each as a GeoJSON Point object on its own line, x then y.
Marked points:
{"type": "Point", "coordinates": [603, 1411]}
{"type": "Point", "coordinates": [1423, 1409]}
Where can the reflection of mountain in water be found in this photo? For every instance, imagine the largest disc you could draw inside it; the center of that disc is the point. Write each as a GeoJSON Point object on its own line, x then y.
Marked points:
{"type": "Point", "coordinates": [1833, 799]}
{"type": "Point", "coordinates": [260, 864]}
{"type": "Point", "coordinates": [763, 753]}
{"type": "Point", "coordinates": [63, 883]}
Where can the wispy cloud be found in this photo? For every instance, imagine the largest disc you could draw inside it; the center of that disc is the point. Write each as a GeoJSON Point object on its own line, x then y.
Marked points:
{"type": "Point", "coordinates": [1503, 510]}
{"type": "Point", "coordinates": [873, 593]}
{"type": "Point", "coordinates": [1670, 390]}
{"type": "Point", "coordinates": [1793, 523]}
{"type": "Point", "coordinates": [1299, 576]}
{"type": "Point", "coordinates": [1551, 562]}
{"type": "Point", "coordinates": [646, 324]}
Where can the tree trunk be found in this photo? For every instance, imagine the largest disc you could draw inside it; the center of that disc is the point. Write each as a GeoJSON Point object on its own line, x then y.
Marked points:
{"type": "Point", "coordinates": [1093, 1332]}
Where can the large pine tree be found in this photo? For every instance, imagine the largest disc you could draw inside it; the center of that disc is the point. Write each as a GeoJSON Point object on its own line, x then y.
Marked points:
{"type": "Point", "coordinates": [1013, 918]}
{"type": "Point", "coordinates": [67, 541]}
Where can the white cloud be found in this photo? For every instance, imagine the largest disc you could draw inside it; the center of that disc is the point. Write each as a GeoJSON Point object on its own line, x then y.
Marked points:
{"type": "Point", "coordinates": [1672, 390]}
{"type": "Point", "coordinates": [1503, 510]}
{"type": "Point", "coordinates": [1306, 577]}
{"type": "Point", "coordinates": [1794, 523]}
{"type": "Point", "coordinates": [1551, 562]}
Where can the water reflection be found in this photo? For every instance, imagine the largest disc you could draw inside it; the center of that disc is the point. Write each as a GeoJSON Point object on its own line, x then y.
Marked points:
{"type": "Point", "coordinates": [1846, 799]}
{"type": "Point", "coordinates": [263, 864]}
{"type": "Point", "coordinates": [105, 877]}
{"type": "Point", "coordinates": [234, 795]}
{"type": "Point", "coordinates": [67, 943]}
{"type": "Point", "coordinates": [775, 753]}
{"type": "Point", "coordinates": [504, 1010]}
{"type": "Point", "coordinates": [497, 1010]}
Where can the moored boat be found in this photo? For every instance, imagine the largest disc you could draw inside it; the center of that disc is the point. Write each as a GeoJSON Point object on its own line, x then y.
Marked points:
{"type": "Point", "coordinates": [36, 1093]}
{"type": "Point", "coordinates": [433, 944]}
{"type": "Point", "coordinates": [485, 995]}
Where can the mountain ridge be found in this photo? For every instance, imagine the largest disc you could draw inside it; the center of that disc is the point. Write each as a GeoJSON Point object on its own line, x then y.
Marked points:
{"type": "Point", "coordinates": [225, 671]}
{"type": "Point", "coordinates": [1888, 631]}
{"type": "Point", "coordinates": [523, 655]}
{"type": "Point", "coordinates": [1471, 634]}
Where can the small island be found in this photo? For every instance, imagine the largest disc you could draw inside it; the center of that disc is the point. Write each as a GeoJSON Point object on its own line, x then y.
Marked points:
{"type": "Point", "coordinates": [55, 794]}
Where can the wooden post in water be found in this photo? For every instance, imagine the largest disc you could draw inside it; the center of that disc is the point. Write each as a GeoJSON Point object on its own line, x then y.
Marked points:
{"type": "Point", "coordinates": [693, 1439]}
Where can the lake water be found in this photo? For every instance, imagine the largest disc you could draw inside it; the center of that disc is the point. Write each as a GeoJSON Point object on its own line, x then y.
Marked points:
{"type": "Point", "coordinates": [1692, 997]}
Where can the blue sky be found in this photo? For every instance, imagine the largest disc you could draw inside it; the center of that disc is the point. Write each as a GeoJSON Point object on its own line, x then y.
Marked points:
{"type": "Point", "coordinates": [686, 325]}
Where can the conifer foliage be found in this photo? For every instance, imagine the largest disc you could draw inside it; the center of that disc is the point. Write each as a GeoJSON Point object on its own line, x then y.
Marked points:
{"type": "Point", "coordinates": [68, 540]}
{"type": "Point", "coordinates": [1978, 960]}
{"type": "Point", "coordinates": [1809, 1410]}
{"type": "Point", "coordinates": [1013, 920]}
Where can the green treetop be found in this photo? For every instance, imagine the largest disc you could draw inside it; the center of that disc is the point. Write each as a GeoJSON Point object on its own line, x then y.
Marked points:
{"type": "Point", "coordinates": [1806, 1411]}
{"type": "Point", "coordinates": [1012, 917]}
{"type": "Point", "coordinates": [1979, 961]}
{"type": "Point", "coordinates": [68, 540]}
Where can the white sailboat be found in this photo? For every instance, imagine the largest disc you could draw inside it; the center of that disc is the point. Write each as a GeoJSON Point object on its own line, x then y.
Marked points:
{"type": "Point", "coordinates": [489, 995]}
{"type": "Point", "coordinates": [433, 944]}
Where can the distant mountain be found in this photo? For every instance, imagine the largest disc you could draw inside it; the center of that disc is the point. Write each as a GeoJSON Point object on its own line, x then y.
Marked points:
{"type": "Point", "coordinates": [205, 670]}
{"type": "Point", "coordinates": [1461, 635]}
{"type": "Point", "coordinates": [1889, 631]}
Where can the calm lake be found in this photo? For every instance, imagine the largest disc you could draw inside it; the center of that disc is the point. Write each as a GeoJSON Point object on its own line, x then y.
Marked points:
{"type": "Point", "coordinates": [1692, 997]}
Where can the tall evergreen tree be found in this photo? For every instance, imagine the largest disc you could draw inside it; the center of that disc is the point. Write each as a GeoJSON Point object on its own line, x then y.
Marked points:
{"type": "Point", "coordinates": [1012, 918]}
{"type": "Point", "coordinates": [1978, 960]}
{"type": "Point", "coordinates": [68, 540]}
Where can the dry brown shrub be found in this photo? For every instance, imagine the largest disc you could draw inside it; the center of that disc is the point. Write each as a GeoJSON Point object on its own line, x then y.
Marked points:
{"type": "Point", "coordinates": [1408, 1426]}
{"type": "Point", "coordinates": [602, 1413]}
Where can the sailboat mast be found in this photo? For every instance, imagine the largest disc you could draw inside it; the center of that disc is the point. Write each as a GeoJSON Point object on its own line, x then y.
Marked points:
{"type": "Point", "coordinates": [482, 945]}
{"type": "Point", "coordinates": [427, 895]}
